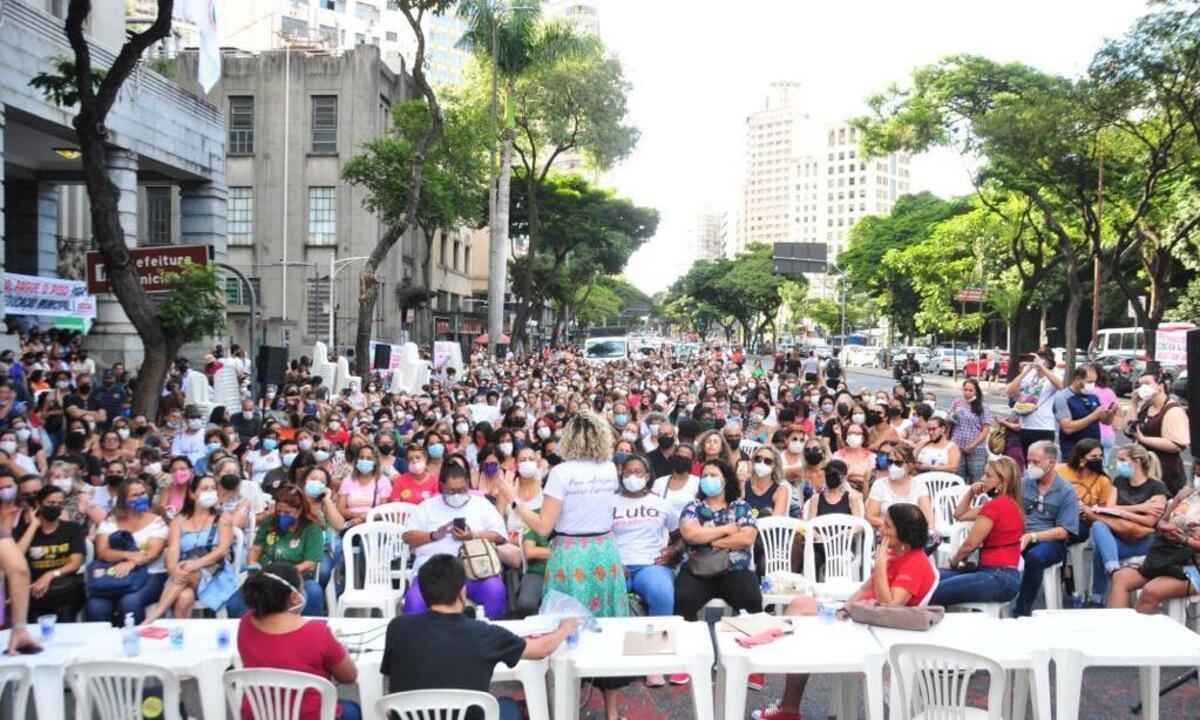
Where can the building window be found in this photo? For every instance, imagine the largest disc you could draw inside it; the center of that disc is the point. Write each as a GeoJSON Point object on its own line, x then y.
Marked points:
{"type": "Point", "coordinates": [390, 36]}
{"type": "Point", "coordinates": [236, 293]}
{"type": "Point", "coordinates": [293, 27]}
{"type": "Point", "coordinates": [241, 125]}
{"type": "Point", "coordinates": [239, 216]}
{"type": "Point", "coordinates": [322, 216]}
{"type": "Point", "coordinates": [324, 123]}
{"type": "Point", "coordinates": [158, 216]}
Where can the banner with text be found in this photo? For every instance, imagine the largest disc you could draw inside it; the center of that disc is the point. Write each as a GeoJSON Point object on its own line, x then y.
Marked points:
{"type": "Point", "coordinates": [47, 296]}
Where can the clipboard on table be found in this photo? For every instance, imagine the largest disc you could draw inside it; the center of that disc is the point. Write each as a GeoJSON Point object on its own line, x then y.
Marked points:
{"type": "Point", "coordinates": [750, 625]}
{"type": "Point", "coordinates": [658, 642]}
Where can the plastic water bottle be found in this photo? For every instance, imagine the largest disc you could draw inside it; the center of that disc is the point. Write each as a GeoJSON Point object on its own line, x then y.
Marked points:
{"type": "Point", "coordinates": [766, 586]}
{"type": "Point", "coordinates": [131, 641]}
{"type": "Point", "coordinates": [177, 637]}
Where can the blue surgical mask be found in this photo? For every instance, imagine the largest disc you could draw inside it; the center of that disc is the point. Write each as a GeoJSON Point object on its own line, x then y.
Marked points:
{"type": "Point", "coordinates": [284, 522]}
{"type": "Point", "coordinates": [314, 488]}
{"type": "Point", "coordinates": [8, 494]}
{"type": "Point", "coordinates": [711, 485]}
{"type": "Point", "coordinates": [621, 420]}
{"type": "Point", "coordinates": [882, 461]}
{"type": "Point", "coordinates": [436, 450]}
{"type": "Point", "coordinates": [1124, 469]}
{"type": "Point", "coordinates": [365, 466]}
{"type": "Point", "coordinates": [213, 446]}
{"type": "Point", "coordinates": [139, 504]}
{"type": "Point", "coordinates": [620, 457]}
{"type": "Point", "coordinates": [270, 444]}
{"type": "Point", "coordinates": [288, 458]}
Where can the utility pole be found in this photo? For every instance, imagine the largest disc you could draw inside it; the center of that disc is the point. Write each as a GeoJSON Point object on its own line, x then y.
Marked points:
{"type": "Point", "coordinates": [1096, 256]}
{"type": "Point", "coordinates": [497, 270]}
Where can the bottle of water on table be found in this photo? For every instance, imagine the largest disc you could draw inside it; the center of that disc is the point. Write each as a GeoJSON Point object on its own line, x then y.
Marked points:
{"type": "Point", "coordinates": [131, 641]}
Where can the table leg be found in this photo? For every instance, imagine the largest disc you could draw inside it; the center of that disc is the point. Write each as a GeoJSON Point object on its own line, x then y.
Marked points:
{"type": "Point", "coordinates": [1068, 665]}
{"type": "Point", "coordinates": [702, 689]}
{"type": "Point", "coordinates": [533, 682]}
{"type": "Point", "coordinates": [1148, 680]}
{"type": "Point", "coordinates": [735, 671]}
{"type": "Point", "coordinates": [849, 696]}
{"type": "Point", "coordinates": [873, 682]}
{"type": "Point", "coordinates": [370, 687]}
{"type": "Point", "coordinates": [212, 690]}
{"type": "Point", "coordinates": [48, 692]}
{"type": "Point", "coordinates": [1041, 685]}
{"type": "Point", "coordinates": [566, 691]}
{"type": "Point", "coordinates": [1017, 696]}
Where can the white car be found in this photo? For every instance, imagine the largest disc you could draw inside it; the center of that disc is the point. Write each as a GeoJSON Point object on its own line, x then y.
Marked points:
{"type": "Point", "coordinates": [606, 349]}
{"type": "Point", "coordinates": [860, 356]}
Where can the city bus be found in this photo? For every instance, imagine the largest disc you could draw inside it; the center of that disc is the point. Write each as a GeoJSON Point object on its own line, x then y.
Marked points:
{"type": "Point", "coordinates": [1132, 341]}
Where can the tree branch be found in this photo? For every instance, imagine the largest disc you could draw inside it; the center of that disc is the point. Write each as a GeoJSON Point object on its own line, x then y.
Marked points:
{"type": "Point", "coordinates": [128, 58]}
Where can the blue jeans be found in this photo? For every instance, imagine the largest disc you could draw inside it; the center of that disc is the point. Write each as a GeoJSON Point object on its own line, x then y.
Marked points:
{"type": "Point", "coordinates": [1109, 551]}
{"type": "Point", "coordinates": [509, 709]}
{"type": "Point", "coordinates": [328, 564]}
{"type": "Point", "coordinates": [348, 710]}
{"type": "Point", "coordinates": [314, 601]}
{"type": "Point", "coordinates": [1038, 557]}
{"type": "Point", "coordinates": [655, 584]}
{"type": "Point", "coordinates": [100, 609]}
{"type": "Point", "coordinates": [985, 585]}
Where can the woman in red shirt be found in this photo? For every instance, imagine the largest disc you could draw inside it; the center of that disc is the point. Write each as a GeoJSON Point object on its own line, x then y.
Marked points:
{"type": "Point", "coordinates": [996, 533]}
{"type": "Point", "coordinates": [273, 635]}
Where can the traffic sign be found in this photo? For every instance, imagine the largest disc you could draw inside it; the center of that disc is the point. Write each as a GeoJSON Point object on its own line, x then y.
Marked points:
{"type": "Point", "coordinates": [970, 295]}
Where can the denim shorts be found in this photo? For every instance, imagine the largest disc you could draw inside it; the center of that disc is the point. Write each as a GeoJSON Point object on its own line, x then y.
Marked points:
{"type": "Point", "coordinates": [1193, 575]}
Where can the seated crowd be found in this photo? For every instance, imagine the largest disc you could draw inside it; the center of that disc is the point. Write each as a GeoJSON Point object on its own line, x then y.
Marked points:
{"type": "Point", "coordinates": [632, 487]}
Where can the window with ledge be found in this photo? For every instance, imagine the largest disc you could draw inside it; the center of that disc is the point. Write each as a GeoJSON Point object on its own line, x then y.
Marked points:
{"type": "Point", "coordinates": [158, 216]}
{"type": "Point", "coordinates": [322, 216]}
{"type": "Point", "coordinates": [239, 216]}
{"type": "Point", "coordinates": [241, 125]}
{"type": "Point", "coordinates": [324, 124]}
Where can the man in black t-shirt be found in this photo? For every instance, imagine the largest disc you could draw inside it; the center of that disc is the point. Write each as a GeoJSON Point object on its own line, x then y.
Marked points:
{"type": "Point", "coordinates": [445, 650]}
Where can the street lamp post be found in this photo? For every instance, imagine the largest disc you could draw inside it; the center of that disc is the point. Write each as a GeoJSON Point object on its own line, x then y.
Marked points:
{"type": "Point", "coordinates": [336, 266]}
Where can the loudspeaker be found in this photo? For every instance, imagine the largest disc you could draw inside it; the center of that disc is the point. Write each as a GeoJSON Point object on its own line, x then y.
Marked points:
{"type": "Point", "coordinates": [383, 357]}
{"type": "Point", "coordinates": [272, 365]}
{"type": "Point", "coordinates": [1193, 388]}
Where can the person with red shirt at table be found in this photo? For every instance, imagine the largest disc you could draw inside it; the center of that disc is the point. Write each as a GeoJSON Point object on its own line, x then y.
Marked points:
{"type": "Point", "coordinates": [902, 577]}
{"type": "Point", "coordinates": [997, 531]}
{"type": "Point", "coordinates": [273, 635]}
{"type": "Point", "coordinates": [418, 484]}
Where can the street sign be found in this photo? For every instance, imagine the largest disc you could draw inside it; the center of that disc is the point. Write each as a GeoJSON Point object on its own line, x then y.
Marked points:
{"type": "Point", "coordinates": [151, 263]}
{"type": "Point", "coordinates": [970, 295]}
{"type": "Point", "coordinates": [794, 259]}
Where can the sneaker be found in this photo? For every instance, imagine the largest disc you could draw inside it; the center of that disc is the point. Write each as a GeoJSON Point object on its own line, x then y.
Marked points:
{"type": "Point", "coordinates": [655, 681]}
{"type": "Point", "coordinates": [772, 712]}
{"type": "Point", "coordinates": [679, 679]}
{"type": "Point", "coordinates": [756, 681]}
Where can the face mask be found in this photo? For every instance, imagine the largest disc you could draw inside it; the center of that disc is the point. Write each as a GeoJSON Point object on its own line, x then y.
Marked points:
{"type": "Point", "coordinates": [321, 455]}
{"type": "Point", "coordinates": [231, 482]}
{"type": "Point", "coordinates": [827, 408]}
{"type": "Point", "coordinates": [506, 448]}
{"type": "Point", "coordinates": [833, 479]}
{"type": "Point", "coordinates": [1124, 469]}
{"type": "Point", "coordinates": [1096, 466]}
{"type": "Point", "coordinates": [527, 468]}
{"type": "Point", "coordinates": [139, 504]}
{"type": "Point", "coordinates": [634, 483]}
{"type": "Point", "coordinates": [306, 445]}
{"type": "Point", "coordinates": [681, 465]}
{"type": "Point", "coordinates": [543, 432]}
{"type": "Point", "coordinates": [456, 501]}
{"type": "Point", "coordinates": [711, 485]}
{"type": "Point", "coordinates": [882, 461]}
{"type": "Point", "coordinates": [813, 456]}
{"type": "Point", "coordinates": [858, 418]}
{"type": "Point", "coordinates": [314, 488]}
{"type": "Point", "coordinates": [843, 411]}
{"type": "Point", "coordinates": [122, 433]}
{"type": "Point", "coordinates": [65, 484]}
{"type": "Point", "coordinates": [653, 428]}
{"type": "Point", "coordinates": [620, 457]}
{"type": "Point", "coordinates": [854, 441]}
{"type": "Point", "coordinates": [1089, 388]}
{"type": "Point", "coordinates": [181, 477]}
{"type": "Point", "coordinates": [248, 414]}
{"type": "Point", "coordinates": [62, 384]}
{"type": "Point", "coordinates": [896, 472]}
{"type": "Point", "coordinates": [270, 444]}
{"type": "Point", "coordinates": [365, 467]}
{"type": "Point", "coordinates": [9, 446]}
{"type": "Point", "coordinates": [8, 495]}
{"type": "Point", "coordinates": [620, 419]}
{"type": "Point", "coordinates": [154, 468]}
{"type": "Point", "coordinates": [1145, 392]}
{"type": "Point", "coordinates": [24, 433]}
{"type": "Point", "coordinates": [285, 522]}
{"type": "Point", "coordinates": [762, 469]}
{"type": "Point", "coordinates": [461, 428]}
{"type": "Point", "coordinates": [213, 447]}
{"type": "Point", "coordinates": [629, 436]}
{"type": "Point", "coordinates": [416, 468]}
{"type": "Point", "coordinates": [207, 499]}
{"type": "Point", "coordinates": [1035, 472]}
{"type": "Point", "coordinates": [491, 468]}
{"type": "Point", "coordinates": [796, 447]}
{"type": "Point", "coordinates": [666, 442]}
{"type": "Point", "coordinates": [195, 424]}
{"type": "Point", "coordinates": [435, 450]}
{"type": "Point", "coordinates": [386, 449]}
{"type": "Point", "coordinates": [50, 513]}
{"type": "Point", "coordinates": [288, 458]}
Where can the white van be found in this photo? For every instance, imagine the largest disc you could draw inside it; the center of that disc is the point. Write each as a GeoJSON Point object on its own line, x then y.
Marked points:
{"type": "Point", "coordinates": [606, 349]}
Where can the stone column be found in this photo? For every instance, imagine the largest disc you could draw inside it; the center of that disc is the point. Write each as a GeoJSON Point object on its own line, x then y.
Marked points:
{"type": "Point", "coordinates": [202, 216]}
{"type": "Point", "coordinates": [47, 229]}
{"type": "Point", "coordinates": [113, 338]}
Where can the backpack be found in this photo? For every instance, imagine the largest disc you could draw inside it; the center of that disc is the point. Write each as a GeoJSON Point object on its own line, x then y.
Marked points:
{"type": "Point", "coordinates": [833, 368]}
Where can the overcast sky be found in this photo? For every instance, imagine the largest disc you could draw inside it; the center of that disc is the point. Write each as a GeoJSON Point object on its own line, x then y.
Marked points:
{"type": "Point", "coordinates": [698, 68]}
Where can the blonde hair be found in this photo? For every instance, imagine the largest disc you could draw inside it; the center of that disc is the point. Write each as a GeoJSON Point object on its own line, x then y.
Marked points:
{"type": "Point", "coordinates": [1007, 468]}
{"type": "Point", "coordinates": [1151, 465]}
{"type": "Point", "coordinates": [586, 436]}
{"type": "Point", "coordinates": [776, 467]}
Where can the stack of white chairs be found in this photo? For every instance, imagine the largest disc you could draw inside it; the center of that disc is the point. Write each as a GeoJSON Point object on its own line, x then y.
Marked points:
{"type": "Point", "coordinates": [342, 378]}
{"type": "Point", "coordinates": [321, 367]}
{"type": "Point", "coordinates": [198, 392]}
{"type": "Point", "coordinates": [226, 390]}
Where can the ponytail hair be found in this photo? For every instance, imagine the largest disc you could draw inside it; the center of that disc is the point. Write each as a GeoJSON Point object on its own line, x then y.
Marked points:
{"type": "Point", "coordinates": [270, 591]}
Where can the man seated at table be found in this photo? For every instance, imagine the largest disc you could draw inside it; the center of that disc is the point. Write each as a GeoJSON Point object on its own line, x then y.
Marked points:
{"type": "Point", "coordinates": [444, 649]}
{"type": "Point", "coordinates": [1051, 516]}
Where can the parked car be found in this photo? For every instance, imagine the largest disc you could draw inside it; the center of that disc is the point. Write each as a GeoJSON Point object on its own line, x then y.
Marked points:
{"type": "Point", "coordinates": [861, 356]}
{"type": "Point", "coordinates": [1179, 387]}
{"type": "Point", "coordinates": [920, 354]}
{"type": "Point", "coordinates": [944, 362]}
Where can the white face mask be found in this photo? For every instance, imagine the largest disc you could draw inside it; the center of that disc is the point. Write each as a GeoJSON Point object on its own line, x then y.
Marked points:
{"type": "Point", "coordinates": [1090, 388]}
{"type": "Point", "coordinates": [24, 433]}
{"type": "Point", "coordinates": [796, 447]}
{"type": "Point", "coordinates": [153, 468]}
{"type": "Point", "coordinates": [506, 448]}
{"type": "Point", "coordinates": [543, 432]}
{"type": "Point", "coordinates": [854, 441]}
{"type": "Point", "coordinates": [858, 418]}
{"type": "Point", "coordinates": [762, 469]}
{"type": "Point", "coordinates": [123, 433]}
{"type": "Point", "coordinates": [416, 468]}
{"type": "Point", "coordinates": [9, 446]}
{"type": "Point", "coordinates": [653, 429]}
{"type": "Point", "coordinates": [1035, 472]}
{"type": "Point", "coordinates": [527, 468]}
{"type": "Point", "coordinates": [461, 428]}
{"type": "Point", "coordinates": [1145, 392]}
{"type": "Point", "coordinates": [629, 436]}
{"type": "Point", "coordinates": [635, 483]}
{"type": "Point", "coordinates": [207, 499]}
{"type": "Point", "coordinates": [64, 484]}
{"type": "Point", "coordinates": [897, 472]}
{"type": "Point", "coordinates": [195, 424]}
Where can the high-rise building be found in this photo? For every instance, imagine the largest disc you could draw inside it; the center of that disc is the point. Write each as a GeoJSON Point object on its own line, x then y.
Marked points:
{"type": "Point", "coordinates": [446, 60]}
{"type": "Point", "coordinates": [582, 15]}
{"type": "Point", "coordinates": [711, 231]}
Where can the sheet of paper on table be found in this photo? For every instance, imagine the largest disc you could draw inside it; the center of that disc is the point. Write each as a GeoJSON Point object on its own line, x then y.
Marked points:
{"type": "Point", "coordinates": [754, 624]}
{"type": "Point", "coordinates": [534, 625]}
{"type": "Point", "coordinates": [658, 642]}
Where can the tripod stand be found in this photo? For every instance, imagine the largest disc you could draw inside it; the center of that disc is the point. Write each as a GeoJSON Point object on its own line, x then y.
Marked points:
{"type": "Point", "coordinates": [1176, 683]}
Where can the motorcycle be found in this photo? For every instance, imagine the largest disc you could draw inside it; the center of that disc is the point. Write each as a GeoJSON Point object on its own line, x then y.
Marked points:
{"type": "Point", "coordinates": [914, 386]}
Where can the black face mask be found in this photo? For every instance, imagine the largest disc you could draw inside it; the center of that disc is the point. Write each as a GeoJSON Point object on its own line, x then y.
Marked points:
{"type": "Point", "coordinates": [1096, 466]}
{"type": "Point", "coordinates": [50, 513]}
{"type": "Point", "coordinates": [85, 389]}
{"type": "Point", "coordinates": [231, 481]}
{"type": "Point", "coordinates": [843, 411]}
{"type": "Point", "coordinates": [681, 464]}
{"type": "Point", "coordinates": [29, 499]}
{"type": "Point", "coordinates": [113, 480]}
{"type": "Point", "coordinates": [666, 442]}
{"type": "Point", "coordinates": [833, 479]}
{"type": "Point", "coordinates": [813, 456]}
{"type": "Point", "coordinates": [873, 418]}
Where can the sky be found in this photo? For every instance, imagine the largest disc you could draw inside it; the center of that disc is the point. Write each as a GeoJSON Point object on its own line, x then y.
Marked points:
{"type": "Point", "coordinates": [698, 68]}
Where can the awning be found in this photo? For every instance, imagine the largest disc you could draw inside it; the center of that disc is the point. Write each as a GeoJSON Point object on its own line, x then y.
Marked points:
{"type": "Point", "coordinates": [483, 340]}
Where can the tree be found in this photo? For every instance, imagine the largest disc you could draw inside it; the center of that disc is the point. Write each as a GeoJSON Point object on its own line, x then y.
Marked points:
{"type": "Point", "coordinates": [752, 288]}
{"type": "Point", "coordinates": [596, 304]}
{"type": "Point", "coordinates": [95, 92]}
{"type": "Point", "coordinates": [455, 180]}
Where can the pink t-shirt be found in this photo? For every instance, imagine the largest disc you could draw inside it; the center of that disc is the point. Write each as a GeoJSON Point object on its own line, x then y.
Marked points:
{"type": "Point", "coordinates": [361, 497]}
{"type": "Point", "coordinates": [1106, 397]}
{"type": "Point", "coordinates": [311, 649]}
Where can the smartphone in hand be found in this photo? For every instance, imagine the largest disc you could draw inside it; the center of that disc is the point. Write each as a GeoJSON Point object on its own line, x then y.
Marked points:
{"type": "Point", "coordinates": [460, 523]}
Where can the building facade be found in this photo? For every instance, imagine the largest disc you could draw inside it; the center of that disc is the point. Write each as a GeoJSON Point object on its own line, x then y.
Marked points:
{"type": "Point", "coordinates": [711, 232]}
{"type": "Point", "coordinates": [166, 159]}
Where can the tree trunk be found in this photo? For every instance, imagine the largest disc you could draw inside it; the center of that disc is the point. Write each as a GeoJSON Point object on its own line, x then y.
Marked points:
{"type": "Point", "coordinates": [428, 273]}
{"type": "Point", "coordinates": [155, 366]}
{"type": "Point", "coordinates": [499, 250]}
{"type": "Point", "coordinates": [521, 322]}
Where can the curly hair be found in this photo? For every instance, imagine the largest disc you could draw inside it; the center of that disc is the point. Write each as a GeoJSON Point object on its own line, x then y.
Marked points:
{"type": "Point", "coordinates": [586, 436]}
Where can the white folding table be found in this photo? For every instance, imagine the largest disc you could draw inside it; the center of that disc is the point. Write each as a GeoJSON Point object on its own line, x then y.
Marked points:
{"type": "Point", "coordinates": [1014, 644]}
{"type": "Point", "coordinates": [814, 647]}
{"type": "Point", "coordinates": [48, 666]}
{"type": "Point", "coordinates": [1112, 638]}
{"type": "Point", "coordinates": [602, 654]}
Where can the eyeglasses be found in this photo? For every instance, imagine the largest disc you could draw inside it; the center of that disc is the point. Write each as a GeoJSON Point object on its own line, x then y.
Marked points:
{"type": "Point", "coordinates": [766, 460]}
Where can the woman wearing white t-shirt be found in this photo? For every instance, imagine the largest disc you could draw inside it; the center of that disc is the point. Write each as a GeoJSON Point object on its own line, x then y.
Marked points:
{"type": "Point", "coordinates": [900, 486]}
{"type": "Point", "coordinates": [131, 513]}
{"type": "Point", "coordinates": [1032, 391]}
{"type": "Point", "coordinates": [577, 505]}
{"type": "Point", "coordinates": [264, 458]}
{"type": "Point", "coordinates": [681, 486]}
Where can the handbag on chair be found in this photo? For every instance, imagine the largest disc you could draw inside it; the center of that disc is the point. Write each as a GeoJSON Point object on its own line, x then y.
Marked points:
{"type": "Point", "coordinates": [480, 559]}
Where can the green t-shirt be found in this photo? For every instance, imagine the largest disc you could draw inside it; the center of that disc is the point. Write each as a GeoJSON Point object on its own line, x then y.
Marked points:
{"type": "Point", "coordinates": [290, 547]}
{"type": "Point", "coordinates": [537, 567]}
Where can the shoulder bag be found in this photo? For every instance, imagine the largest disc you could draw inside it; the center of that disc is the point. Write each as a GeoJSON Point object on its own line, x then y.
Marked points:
{"type": "Point", "coordinates": [871, 612]}
{"type": "Point", "coordinates": [480, 559]}
{"type": "Point", "coordinates": [709, 563]}
{"type": "Point", "coordinates": [102, 583]}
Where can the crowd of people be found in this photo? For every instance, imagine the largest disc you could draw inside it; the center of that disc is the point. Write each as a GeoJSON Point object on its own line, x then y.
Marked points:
{"type": "Point", "coordinates": [633, 486]}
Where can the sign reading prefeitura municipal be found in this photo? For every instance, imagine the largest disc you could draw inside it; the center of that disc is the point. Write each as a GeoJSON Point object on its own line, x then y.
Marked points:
{"type": "Point", "coordinates": [152, 263]}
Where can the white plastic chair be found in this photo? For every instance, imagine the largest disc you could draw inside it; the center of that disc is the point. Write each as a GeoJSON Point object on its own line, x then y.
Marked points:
{"type": "Point", "coordinates": [848, 543]}
{"type": "Point", "coordinates": [394, 512]}
{"type": "Point", "coordinates": [777, 535]}
{"type": "Point", "coordinates": [944, 504]}
{"type": "Point", "coordinates": [381, 542]}
{"type": "Point", "coordinates": [22, 681]}
{"type": "Point", "coordinates": [112, 689]}
{"type": "Point", "coordinates": [1081, 566]}
{"type": "Point", "coordinates": [436, 705]}
{"type": "Point", "coordinates": [932, 682]}
{"type": "Point", "coordinates": [272, 694]}
{"type": "Point", "coordinates": [1177, 609]}
{"type": "Point", "coordinates": [936, 482]}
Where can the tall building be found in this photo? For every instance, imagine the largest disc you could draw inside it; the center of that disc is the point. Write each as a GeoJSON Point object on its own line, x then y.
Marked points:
{"type": "Point", "coordinates": [446, 62]}
{"type": "Point", "coordinates": [711, 231]}
{"type": "Point", "coordinates": [582, 15]}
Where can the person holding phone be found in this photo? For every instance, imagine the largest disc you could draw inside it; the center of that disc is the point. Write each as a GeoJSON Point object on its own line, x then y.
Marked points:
{"type": "Point", "coordinates": [442, 523]}
{"type": "Point", "coordinates": [1032, 392]}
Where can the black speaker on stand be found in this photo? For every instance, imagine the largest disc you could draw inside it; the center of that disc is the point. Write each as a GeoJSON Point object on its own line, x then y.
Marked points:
{"type": "Point", "coordinates": [382, 359]}
{"type": "Point", "coordinates": [272, 365]}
